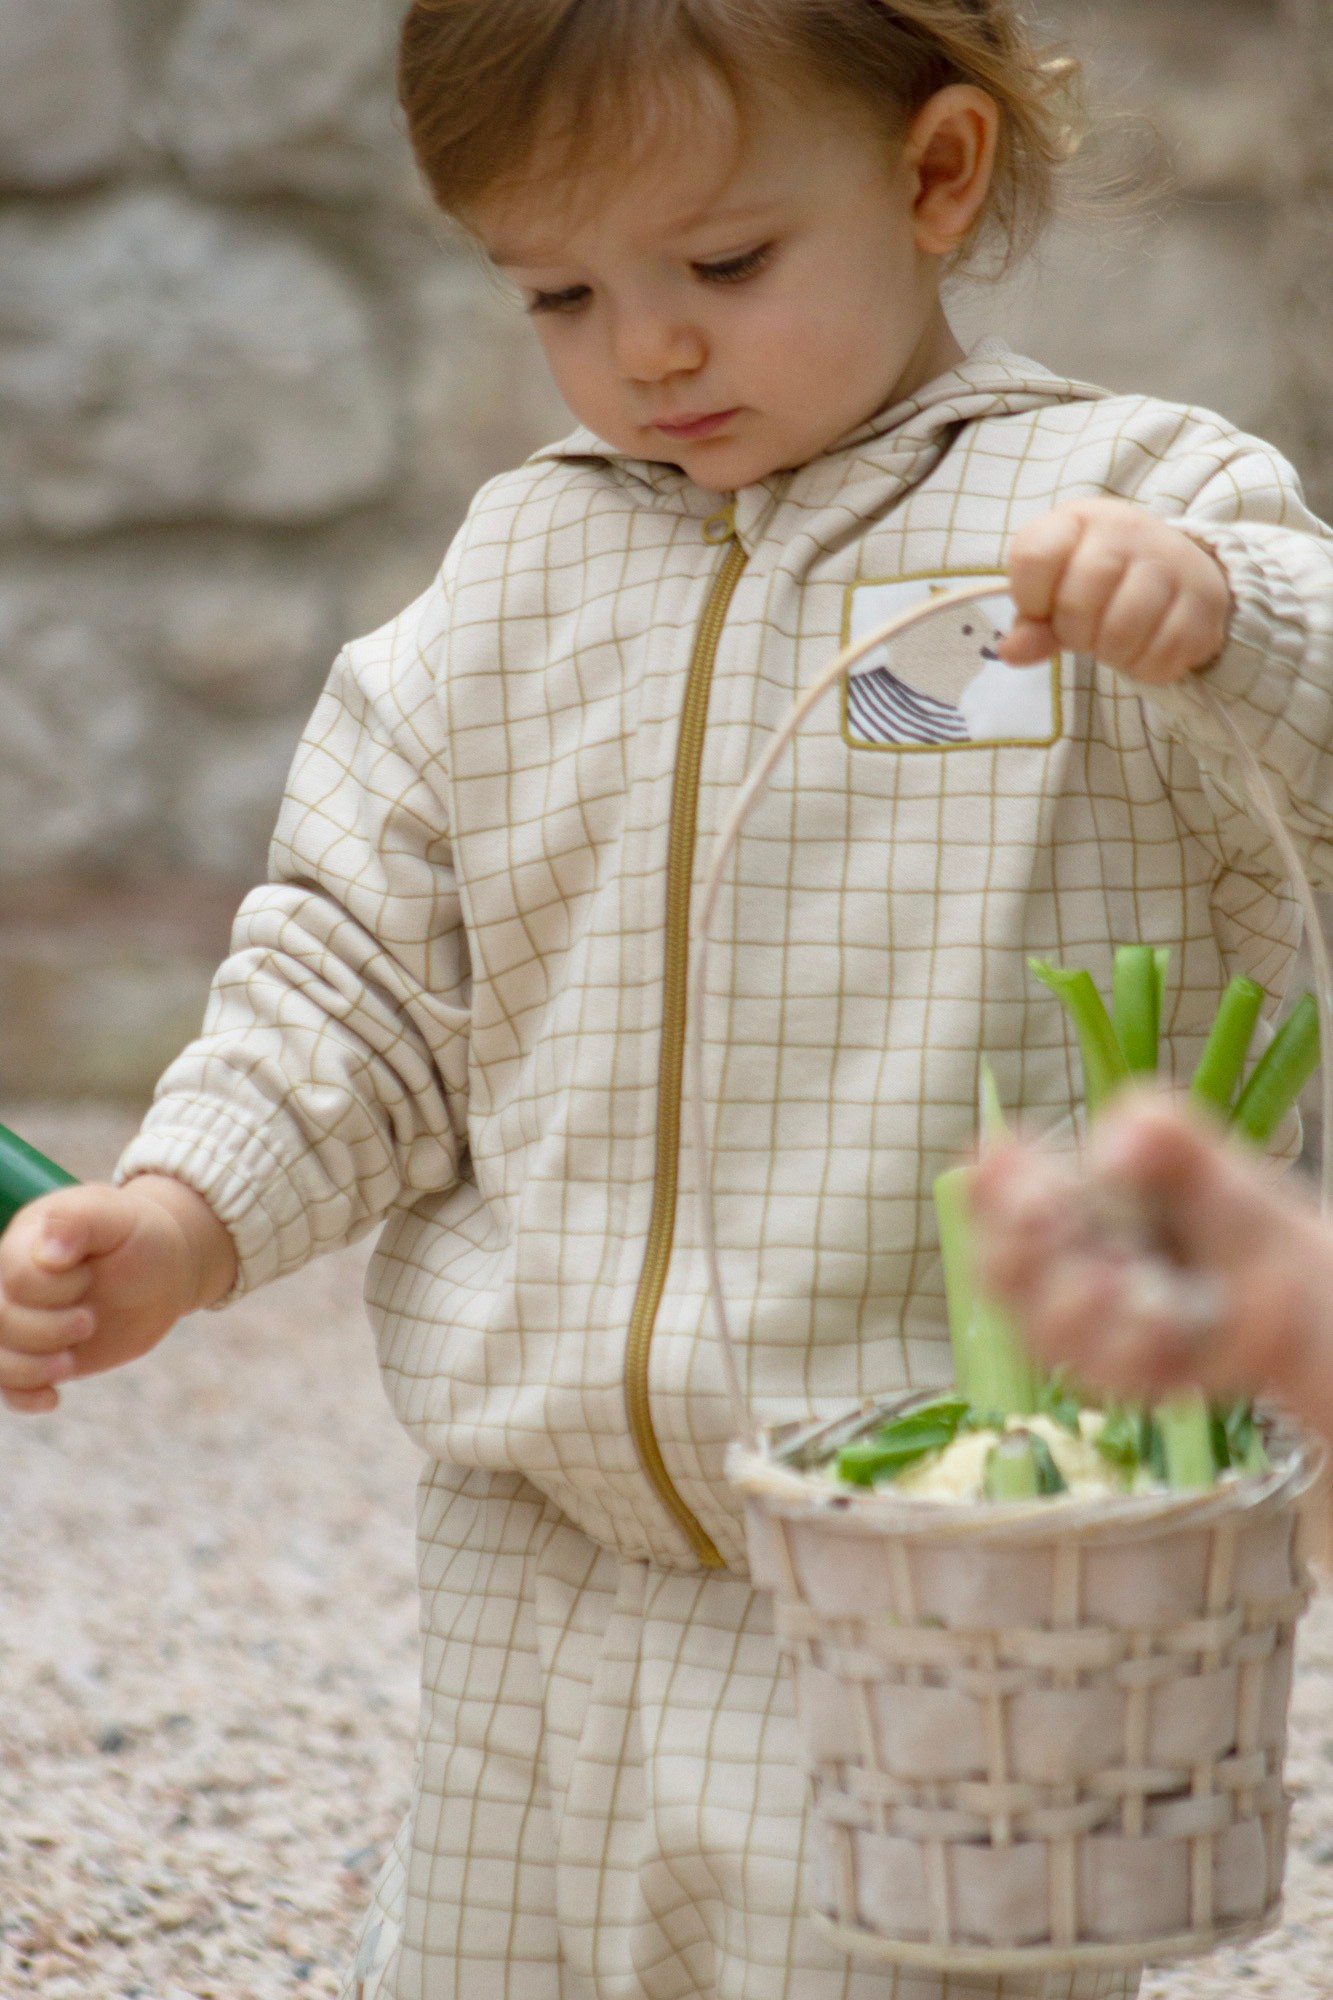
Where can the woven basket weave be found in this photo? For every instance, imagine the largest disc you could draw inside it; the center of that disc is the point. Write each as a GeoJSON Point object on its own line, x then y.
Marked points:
{"type": "Point", "coordinates": [1039, 1735]}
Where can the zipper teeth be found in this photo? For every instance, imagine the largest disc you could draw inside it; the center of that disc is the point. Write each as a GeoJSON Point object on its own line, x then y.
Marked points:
{"type": "Point", "coordinates": [662, 1221]}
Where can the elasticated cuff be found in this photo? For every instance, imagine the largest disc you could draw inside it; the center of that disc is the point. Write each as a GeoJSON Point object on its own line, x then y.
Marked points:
{"type": "Point", "coordinates": [209, 1146]}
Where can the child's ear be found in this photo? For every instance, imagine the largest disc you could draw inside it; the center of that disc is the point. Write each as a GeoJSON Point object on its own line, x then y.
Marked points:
{"type": "Point", "coordinates": [950, 150]}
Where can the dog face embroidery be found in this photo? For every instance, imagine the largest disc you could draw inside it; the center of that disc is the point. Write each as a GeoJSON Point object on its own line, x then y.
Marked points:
{"type": "Point", "coordinates": [941, 684]}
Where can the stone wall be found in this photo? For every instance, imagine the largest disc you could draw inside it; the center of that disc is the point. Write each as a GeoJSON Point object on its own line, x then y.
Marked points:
{"type": "Point", "coordinates": [247, 386]}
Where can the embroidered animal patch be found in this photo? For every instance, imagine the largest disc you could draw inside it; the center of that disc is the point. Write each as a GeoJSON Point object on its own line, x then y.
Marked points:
{"type": "Point", "coordinates": [942, 683]}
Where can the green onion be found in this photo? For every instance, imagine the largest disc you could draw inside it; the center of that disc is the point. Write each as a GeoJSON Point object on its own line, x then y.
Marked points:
{"type": "Point", "coordinates": [1244, 1440]}
{"type": "Point", "coordinates": [992, 1368]}
{"type": "Point", "coordinates": [1256, 1459]}
{"type": "Point", "coordinates": [1049, 1476]}
{"type": "Point", "coordinates": [1186, 1432]}
{"type": "Point", "coordinates": [1219, 1067]}
{"type": "Point", "coordinates": [953, 1215]}
{"type": "Point", "coordinates": [1137, 979]}
{"type": "Point", "coordinates": [1280, 1075]}
{"type": "Point", "coordinates": [1104, 1064]}
{"type": "Point", "coordinates": [1057, 1400]}
{"type": "Point", "coordinates": [1004, 1381]}
{"type": "Point", "coordinates": [903, 1442]}
{"type": "Point", "coordinates": [25, 1174]}
{"type": "Point", "coordinates": [1123, 1437]}
{"type": "Point", "coordinates": [993, 1127]}
{"type": "Point", "coordinates": [1011, 1468]}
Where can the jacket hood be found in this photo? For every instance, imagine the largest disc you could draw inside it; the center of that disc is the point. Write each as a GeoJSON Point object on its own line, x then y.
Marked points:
{"type": "Point", "coordinates": [906, 438]}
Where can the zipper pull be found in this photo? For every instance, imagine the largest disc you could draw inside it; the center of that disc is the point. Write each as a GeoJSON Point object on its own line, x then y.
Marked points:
{"type": "Point", "coordinates": [721, 526]}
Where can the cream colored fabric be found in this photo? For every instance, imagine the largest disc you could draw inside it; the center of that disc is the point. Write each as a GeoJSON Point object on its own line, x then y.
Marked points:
{"type": "Point", "coordinates": [446, 1013]}
{"type": "Point", "coordinates": [607, 1804]}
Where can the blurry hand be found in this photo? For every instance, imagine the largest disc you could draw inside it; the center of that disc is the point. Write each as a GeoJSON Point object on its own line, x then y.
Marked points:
{"type": "Point", "coordinates": [92, 1276]}
{"type": "Point", "coordinates": [1108, 578]}
{"type": "Point", "coordinates": [1262, 1256]}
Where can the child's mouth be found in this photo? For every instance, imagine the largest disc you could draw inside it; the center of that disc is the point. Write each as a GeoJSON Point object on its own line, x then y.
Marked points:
{"type": "Point", "coordinates": [695, 427]}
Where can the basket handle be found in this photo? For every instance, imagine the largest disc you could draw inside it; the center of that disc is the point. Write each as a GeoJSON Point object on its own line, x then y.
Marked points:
{"type": "Point", "coordinates": [1258, 794]}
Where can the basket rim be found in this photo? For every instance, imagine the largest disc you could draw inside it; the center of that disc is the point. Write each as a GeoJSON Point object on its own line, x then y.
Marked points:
{"type": "Point", "coordinates": [765, 1473]}
{"type": "Point", "coordinates": [866, 1943]}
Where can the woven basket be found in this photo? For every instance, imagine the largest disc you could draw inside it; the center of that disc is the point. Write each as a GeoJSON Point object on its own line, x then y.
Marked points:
{"type": "Point", "coordinates": [1040, 1735]}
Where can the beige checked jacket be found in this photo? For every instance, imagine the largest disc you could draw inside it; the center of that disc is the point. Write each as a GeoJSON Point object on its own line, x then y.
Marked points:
{"type": "Point", "coordinates": [457, 1010]}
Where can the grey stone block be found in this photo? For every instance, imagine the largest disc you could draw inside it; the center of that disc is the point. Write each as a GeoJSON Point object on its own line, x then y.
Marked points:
{"type": "Point", "coordinates": [480, 398]}
{"type": "Point", "coordinates": [296, 96]}
{"type": "Point", "coordinates": [74, 784]}
{"type": "Point", "coordinates": [64, 92]}
{"type": "Point", "coordinates": [238, 636]}
{"type": "Point", "coordinates": [1207, 78]}
{"type": "Point", "coordinates": [220, 800]}
{"type": "Point", "coordinates": [160, 361]}
{"type": "Point", "coordinates": [1177, 306]}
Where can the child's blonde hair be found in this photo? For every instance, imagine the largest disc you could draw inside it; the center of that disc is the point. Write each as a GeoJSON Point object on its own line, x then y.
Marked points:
{"type": "Point", "coordinates": [488, 84]}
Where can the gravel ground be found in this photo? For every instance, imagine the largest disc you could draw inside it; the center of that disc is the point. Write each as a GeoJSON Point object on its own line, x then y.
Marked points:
{"type": "Point", "coordinates": [208, 1665]}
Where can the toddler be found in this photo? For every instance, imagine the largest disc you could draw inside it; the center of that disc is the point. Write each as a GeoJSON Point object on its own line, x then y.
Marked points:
{"type": "Point", "coordinates": [456, 1012]}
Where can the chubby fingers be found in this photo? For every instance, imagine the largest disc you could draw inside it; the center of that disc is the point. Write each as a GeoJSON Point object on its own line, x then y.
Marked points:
{"type": "Point", "coordinates": [45, 1276]}
{"type": "Point", "coordinates": [1105, 577]}
{"type": "Point", "coordinates": [1167, 1262]}
{"type": "Point", "coordinates": [1040, 1254]}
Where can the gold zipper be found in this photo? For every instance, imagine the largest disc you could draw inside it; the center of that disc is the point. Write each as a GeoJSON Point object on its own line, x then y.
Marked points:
{"type": "Point", "coordinates": [680, 870]}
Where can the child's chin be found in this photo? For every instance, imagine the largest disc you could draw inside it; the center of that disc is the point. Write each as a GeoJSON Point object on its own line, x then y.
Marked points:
{"type": "Point", "coordinates": [727, 466]}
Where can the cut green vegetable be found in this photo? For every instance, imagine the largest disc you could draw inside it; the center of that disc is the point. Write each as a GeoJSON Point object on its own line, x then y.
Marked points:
{"type": "Point", "coordinates": [1004, 1381]}
{"type": "Point", "coordinates": [1123, 1437]}
{"type": "Point", "coordinates": [1050, 1479]}
{"type": "Point", "coordinates": [1011, 1468]}
{"type": "Point", "coordinates": [1105, 1068]}
{"type": "Point", "coordinates": [992, 1368]}
{"type": "Point", "coordinates": [993, 1127]}
{"type": "Point", "coordinates": [25, 1174]}
{"type": "Point", "coordinates": [1187, 1445]}
{"type": "Point", "coordinates": [1219, 1068]}
{"type": "Point", "coordinates": [895, 1446]}
{"type": "Point", "coordinates": [953, 1215]}
{"type": "Point", "coordinates": [1137, 980]}
{"type": "Point", "coordinates": [1057, 1400]}
{"type": "Point", "coordinates": [1280, 1075]}
{"type": "Point", "coordinates": [1244, 1441]}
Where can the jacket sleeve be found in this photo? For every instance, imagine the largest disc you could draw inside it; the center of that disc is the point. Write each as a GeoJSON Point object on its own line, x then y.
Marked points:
{"type": "Point", "coordinates": [330, 1078]}
{"type": "Point", "coordinates": [1240, 499]}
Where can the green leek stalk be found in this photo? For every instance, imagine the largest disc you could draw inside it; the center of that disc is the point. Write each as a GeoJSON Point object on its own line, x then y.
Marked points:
{"type": "Point", "coordinates": [25, 1174]}
{"type": "Point", "coordinates": [1104, 1066]}
{"type": "Point", "coordinates": [1137, 980]}
{"type": "Point", "coordinates": [1185, 1424]}
{"type": "Point", "coordinates": [993, 1128]}
{"type": "Point", "coordinates": [1011, 1468]}
{"type": "Point", "coordinates": [953, 1215]}
{"type": "Point", "coordinates": [1280, 1075]}
{"type": "Point", "coordinates": [991, 1365]}
{"type": "Point", "coordinates": [1219, 1067]}
{"type": "Point", "coordinates": [1004, 1380]}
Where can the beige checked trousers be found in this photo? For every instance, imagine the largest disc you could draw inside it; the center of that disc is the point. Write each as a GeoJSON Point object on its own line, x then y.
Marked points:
{"type": "Point", "coordinates": [607, 1803]}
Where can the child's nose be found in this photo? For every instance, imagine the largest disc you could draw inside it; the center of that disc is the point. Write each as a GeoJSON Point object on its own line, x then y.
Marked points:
{"type": "Point", "coordinates": [649, 345]}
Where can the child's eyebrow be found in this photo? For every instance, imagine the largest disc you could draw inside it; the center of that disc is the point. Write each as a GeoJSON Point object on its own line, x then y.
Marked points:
{"type": "Point", "coordinates": [536, 255]}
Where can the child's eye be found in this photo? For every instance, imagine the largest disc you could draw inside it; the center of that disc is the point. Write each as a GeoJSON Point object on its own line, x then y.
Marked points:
{"type": "Point", "coordinates": [569, 300]}
{"type": "Point", "coordinates": [731, 270]}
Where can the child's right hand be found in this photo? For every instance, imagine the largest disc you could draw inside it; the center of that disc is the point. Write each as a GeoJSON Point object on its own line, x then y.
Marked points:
{"type": "Point", "coordinates": [95, 1275]}
{"type": "Point", "coordinates": [1262, 1250]}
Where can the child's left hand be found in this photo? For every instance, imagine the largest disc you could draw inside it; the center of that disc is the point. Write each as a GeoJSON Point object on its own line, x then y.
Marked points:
{"type": "Point", "coordinates": [1106, 577]}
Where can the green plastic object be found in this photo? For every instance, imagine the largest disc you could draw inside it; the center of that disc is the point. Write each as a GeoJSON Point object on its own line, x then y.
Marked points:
{"type": "Point", "coordinates": [24, 1174]}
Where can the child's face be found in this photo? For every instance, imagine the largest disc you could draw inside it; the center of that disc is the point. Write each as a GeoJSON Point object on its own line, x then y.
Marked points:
{"type": "Point", "coordinates": [736, 304]}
